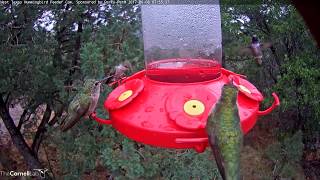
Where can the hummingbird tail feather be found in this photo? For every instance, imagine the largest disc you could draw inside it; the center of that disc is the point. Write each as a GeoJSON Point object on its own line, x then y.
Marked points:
{"type": "Point", "coordinates": [70, 121]}
{"type": "Point", "coordinates": [217, 155]}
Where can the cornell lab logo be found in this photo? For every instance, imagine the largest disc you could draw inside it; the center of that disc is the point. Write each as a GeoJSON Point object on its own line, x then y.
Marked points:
{"type": "Point", "coordinates": [42, 172]}
{"type": "Point", "coordinates": [33, 173]}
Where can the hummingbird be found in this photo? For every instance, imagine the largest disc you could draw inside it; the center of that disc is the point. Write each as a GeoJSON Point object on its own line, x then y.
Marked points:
{"type": "Point", "coordinates": [86, 100]}
{"type": "Point", "coordinates": [83, 104]}
{"type": "Point", "coordinates": [119, 72]}
{"type": "Point", "coordinates": [225, 135]}
{"type": "Point", "coordinates": [121, 69]}
{"type": "Point", "coordinates": [255, 48]}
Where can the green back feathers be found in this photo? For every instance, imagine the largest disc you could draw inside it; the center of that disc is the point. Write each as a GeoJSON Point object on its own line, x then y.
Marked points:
{"type": "Point", "coordinates": [225, 136]}
{"type": "Point", "coordinates": [226, 107]}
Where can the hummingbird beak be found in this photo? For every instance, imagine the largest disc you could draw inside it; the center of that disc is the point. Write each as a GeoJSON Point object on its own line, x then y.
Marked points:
{"type": "Point", "coordinates": [105, 80]}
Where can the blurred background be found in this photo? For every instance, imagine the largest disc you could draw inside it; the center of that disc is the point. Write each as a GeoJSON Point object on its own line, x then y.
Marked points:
{"type": "Point", "coordinates": [46, 51]}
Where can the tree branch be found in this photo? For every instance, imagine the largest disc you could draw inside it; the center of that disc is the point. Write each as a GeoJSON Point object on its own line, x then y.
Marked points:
{"type": "Point", "coordinates": [22, 119]}
{"type": "Point", "coordinates": [30, 158]}
{"type": "Point", "coordinates": [8, 163]}
{"type": "Point", "coordinates": [41, 130]}
{"type": "Point", "coordinates": [7, 98]}
{"type": "Point", "coordinates": [26, 112]}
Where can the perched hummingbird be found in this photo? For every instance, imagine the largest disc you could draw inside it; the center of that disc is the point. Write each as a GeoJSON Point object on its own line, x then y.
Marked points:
{"type": "Point", "coordinates": [225, 135]}
{"type": "Point", "coordinates": [255, 48]}
{"type": "Point", "coordinates": [83, 104]}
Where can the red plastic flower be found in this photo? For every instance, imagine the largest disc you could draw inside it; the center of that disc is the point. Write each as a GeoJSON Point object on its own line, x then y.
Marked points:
{"type": "Point", "coordinates": [189, 107]}
{"type": "Point", "coordinates": [246, 88]}
{"type": "Point", "coordinates": [124, 94]}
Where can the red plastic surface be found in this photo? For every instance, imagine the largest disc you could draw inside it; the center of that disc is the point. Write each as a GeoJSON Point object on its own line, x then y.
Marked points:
{"type": "Point", "coordinates": [135, 85]}
{"type": "Point", "coordinates": [275, 104]}
{"type": "Point", "coordinates": [183, 70]}
{"type": "Point", "coordinates": [154, 113]}
{"type": "Point", "coordinates": [175, 102]}
{"type": "Point", "coordinates": [100, 120]}
{"type": "Point", "coordinates": [254, 93]}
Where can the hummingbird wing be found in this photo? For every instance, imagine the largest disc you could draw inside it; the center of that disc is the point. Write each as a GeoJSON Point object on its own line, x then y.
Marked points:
{"type": "Point", "coordinates": [265, 45]}
{"type": "Point", "coordinates": [76, 110]}
{"type": "Point", "coordinates": [245, 51]}
{"type": "Point", "coordinates": [213, 141]}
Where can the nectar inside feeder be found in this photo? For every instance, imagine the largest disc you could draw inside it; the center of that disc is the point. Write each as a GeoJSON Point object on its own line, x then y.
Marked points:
{"type": "Point", "coordinates": [167, 104]}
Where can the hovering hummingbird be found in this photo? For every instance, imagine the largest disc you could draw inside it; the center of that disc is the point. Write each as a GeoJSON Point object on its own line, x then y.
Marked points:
{"type": "Point", "coordinates": [119, 72]}
{"type": "Point", "coordinates": [121, 69]}
{"type": "Point", "coordinates": [83, 104]}
{"type": "Point", "coordinates": [225, 135]}
{"type": "Point", "coordinates": [255, 48]}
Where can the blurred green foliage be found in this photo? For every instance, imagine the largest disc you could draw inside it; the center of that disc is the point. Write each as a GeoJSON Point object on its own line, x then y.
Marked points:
{"type": "Point", "coordinates": [286, 155]}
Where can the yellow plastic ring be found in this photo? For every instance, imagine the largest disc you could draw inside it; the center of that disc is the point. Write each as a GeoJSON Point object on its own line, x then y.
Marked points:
{"type": "Point", "coordinates": [125, 95]}
{"type": "Point", "coordinates": [193, 107]}
{"type": "Point", "coordinates": [244, 89]}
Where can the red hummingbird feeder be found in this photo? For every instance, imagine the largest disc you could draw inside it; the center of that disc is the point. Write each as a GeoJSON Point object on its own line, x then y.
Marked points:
{"type": "Point", "coordinates": [167, 104]}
